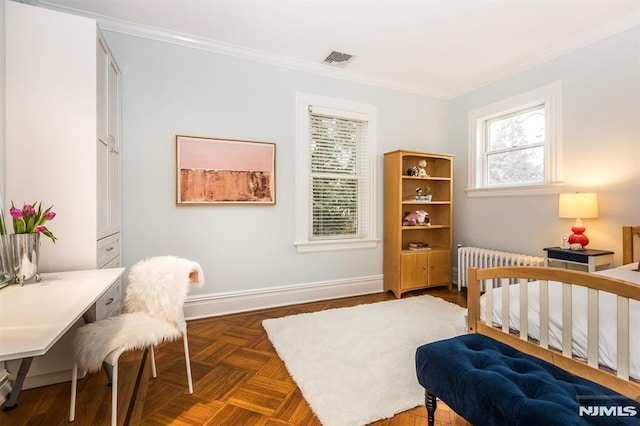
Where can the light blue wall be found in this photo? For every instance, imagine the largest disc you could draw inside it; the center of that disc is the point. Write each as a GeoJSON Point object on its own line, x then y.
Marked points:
{"type": "Point", "coordinates": [601, 120]}
{"type": "Point", "coordinates": [169, 89]}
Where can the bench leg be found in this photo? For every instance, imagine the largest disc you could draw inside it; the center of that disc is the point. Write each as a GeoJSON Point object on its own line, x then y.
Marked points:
{"type": "Point", "coordinates": [431, 404]}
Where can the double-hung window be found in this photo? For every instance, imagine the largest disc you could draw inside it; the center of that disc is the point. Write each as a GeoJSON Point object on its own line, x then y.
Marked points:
{"type": "Point", "coordinates": [335, 179]}
{"type": "Point", "coordinates": [515, 144]}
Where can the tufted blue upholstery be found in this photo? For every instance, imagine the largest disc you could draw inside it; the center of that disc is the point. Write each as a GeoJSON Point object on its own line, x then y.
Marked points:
{"type": "Point", "coordinates": [490, 383]}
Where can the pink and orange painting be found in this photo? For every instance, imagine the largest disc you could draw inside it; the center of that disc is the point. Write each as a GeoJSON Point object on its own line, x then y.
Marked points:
{"type": "Point", "coordinates": [225, 171]}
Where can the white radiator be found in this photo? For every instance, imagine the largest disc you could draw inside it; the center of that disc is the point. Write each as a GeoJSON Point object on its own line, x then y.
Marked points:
{"type": "Point", "coordinates": [485, 258]}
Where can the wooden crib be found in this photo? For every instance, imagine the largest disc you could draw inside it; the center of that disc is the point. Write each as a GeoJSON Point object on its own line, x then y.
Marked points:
{"type": "Point", "coordinates": [469, 372]}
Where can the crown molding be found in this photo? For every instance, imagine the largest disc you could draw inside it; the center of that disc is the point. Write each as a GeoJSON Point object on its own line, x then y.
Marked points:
{"type": "Point", "coordinates": [625, 23]}
{"type": "Point", "coordinates": [187, 40]}
{"type": "Point", "coordinates": [196, 42]}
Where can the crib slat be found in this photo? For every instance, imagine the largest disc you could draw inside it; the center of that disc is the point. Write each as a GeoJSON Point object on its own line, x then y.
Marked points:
{"type": "Point", "coordinates": [567, 325]}
{"type": "Point", "coordinates": [524, 311]}
{"type": "Point", "coordinates": [623, 337]}
{"type": "Point", "coordinates": [488, 302]}
{"type": "Point", "coordinates": [461, 267]}
{"type": "Point", "coordinates": [504, 283]}
{"type": "Point", "coordinates": [544, 313]}
{"type": "Point", "coordinates": [592, 328]}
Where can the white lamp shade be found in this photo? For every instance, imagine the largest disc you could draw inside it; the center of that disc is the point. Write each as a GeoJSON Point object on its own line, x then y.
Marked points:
{"type": "Point", "coordinates": [583, 205]}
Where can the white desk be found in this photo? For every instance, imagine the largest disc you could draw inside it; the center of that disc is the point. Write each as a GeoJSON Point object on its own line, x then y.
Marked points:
{"type": "Point", "coordinates": [33, 317]}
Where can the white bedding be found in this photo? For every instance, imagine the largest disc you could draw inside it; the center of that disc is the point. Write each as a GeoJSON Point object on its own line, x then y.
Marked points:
{"type": "Point", "coordinates": [608, 311]}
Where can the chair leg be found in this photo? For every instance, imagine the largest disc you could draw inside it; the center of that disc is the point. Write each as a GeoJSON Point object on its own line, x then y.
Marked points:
{"type": "Point", "coordinates": [107, 370]}
{"type": "Point", "coordinates": [114, 395]}
{"type": "Point", "coordinates": [74, 387]}
{"type": "Point", "coordinates": [187, 361]}
{"type": "Point", "coordinates": [154, 374]}
{"type": "Point", "coordinates": [112, 359]}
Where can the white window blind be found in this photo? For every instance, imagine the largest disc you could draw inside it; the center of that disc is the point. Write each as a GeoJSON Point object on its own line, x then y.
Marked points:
{"type": "Point", "coordinates": [335, 184]}
{"type": "Point", "coordinates": [338, 153]}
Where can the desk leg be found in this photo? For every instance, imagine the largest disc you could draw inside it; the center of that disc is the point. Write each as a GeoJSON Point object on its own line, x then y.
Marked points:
{"type": "Point", "coordinates": [87, 317]}
{"type": "Point", "coordinates": [17, 385]}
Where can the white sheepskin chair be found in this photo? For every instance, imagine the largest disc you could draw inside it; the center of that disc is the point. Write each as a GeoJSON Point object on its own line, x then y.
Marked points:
{"type": "Point", "coordinates": [156, 291]}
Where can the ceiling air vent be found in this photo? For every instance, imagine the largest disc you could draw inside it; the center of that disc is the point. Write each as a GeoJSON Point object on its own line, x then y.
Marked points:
{"type": "Point", "coordinates": [338, 59]}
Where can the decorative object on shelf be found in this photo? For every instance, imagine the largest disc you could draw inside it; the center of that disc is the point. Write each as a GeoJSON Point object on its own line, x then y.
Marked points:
{"type": "Point", "coordinates": [579, 205]}
{"type": "Point", "coordinates": [419, 170]}
{"type": "Point", "coordinates": [419, 246]}
{"type": "Point", "coordinates": [417, 218]}
{"type": "Point", "coordinates": [28, 223]}
{"type": "Point", "coordinates": [422, 168]}
{"type": "Point", "coordinates": [225, 171]}
{"type": "Point", "coordinates": [426, 191]}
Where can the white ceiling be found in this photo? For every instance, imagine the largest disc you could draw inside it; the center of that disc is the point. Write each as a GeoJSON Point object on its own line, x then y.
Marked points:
{"type": "Point", "coordinates": [441, 48]}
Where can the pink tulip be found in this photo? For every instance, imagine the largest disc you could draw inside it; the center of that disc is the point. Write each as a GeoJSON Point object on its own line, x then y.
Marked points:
{"type": "Point", "coordinates": [51, 215]}
{"type": "Point", "coordinates": [15, 213]}
{"type": "Point", "coordinates": [28, 208]}
{"type": "Point", "coordinates": [40, 228]}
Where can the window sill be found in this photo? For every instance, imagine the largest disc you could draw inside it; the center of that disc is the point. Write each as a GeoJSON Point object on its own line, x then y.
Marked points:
{"type": "Point", "coordinates": [515, 191]}
{"type": "Point", "coordinates": [332, 245]}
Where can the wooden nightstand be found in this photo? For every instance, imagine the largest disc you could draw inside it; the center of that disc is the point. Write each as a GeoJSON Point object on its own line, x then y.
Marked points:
{"type": "Point", "coordinates": [591, 259]}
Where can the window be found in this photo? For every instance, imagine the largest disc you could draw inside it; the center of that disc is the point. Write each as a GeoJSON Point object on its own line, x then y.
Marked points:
{"type": "Point", "coordinates": [515, 144]}
{"type": "Point", "coordinates": [335, 179]}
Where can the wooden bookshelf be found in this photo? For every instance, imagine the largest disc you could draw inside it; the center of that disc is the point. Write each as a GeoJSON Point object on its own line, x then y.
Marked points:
{"type": "Point", "coordinates": [404, 269]}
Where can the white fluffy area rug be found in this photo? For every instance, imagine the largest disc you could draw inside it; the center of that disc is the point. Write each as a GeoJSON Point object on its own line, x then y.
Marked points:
{"type": "Point", "coordinates": [357, 365]}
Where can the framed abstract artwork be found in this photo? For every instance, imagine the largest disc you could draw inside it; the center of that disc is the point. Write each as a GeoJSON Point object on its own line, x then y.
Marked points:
{"type": "Point", "coordinates": [224, 171]}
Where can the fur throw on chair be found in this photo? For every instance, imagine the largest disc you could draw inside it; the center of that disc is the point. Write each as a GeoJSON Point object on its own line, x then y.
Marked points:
{"type": "Point", "coordinates": [159, 286]}
{"type": "Point", "coordinates": [156, 292]}
{"type": "Point", "coordinates": [135, 330]}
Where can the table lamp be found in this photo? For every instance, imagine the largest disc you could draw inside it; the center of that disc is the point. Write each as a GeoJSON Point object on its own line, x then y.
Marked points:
{"type": "Point", "coordinates": [579, 205]}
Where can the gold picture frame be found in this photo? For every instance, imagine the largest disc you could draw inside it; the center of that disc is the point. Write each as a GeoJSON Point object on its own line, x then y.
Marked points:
{"type": "Point", "coordinates": [224, 171]}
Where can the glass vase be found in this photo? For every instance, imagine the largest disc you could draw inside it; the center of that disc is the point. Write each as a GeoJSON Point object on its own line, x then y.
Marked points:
{"type": "Point", "coordinates": [6, 272]}
{"type": "Point", "coordinates": [24, 250]}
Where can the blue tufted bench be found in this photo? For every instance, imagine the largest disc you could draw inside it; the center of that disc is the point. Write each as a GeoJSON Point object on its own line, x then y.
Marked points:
{"type": "Point", "coordinates": [490, 383]}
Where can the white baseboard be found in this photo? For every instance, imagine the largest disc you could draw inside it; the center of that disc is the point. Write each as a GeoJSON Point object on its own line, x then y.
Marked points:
{"type": "Point", "coordinates": [250, 300]}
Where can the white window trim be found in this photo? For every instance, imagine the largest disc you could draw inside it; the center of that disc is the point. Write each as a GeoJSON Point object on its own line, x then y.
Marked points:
{"type": "Point", "coordinates": [551, 96]}
{"type": "Point", "coordinates": [350, 109]}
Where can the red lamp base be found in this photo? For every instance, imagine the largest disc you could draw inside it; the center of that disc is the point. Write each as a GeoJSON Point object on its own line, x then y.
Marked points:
{"type": "Point", "coordinates": [578, 236]}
